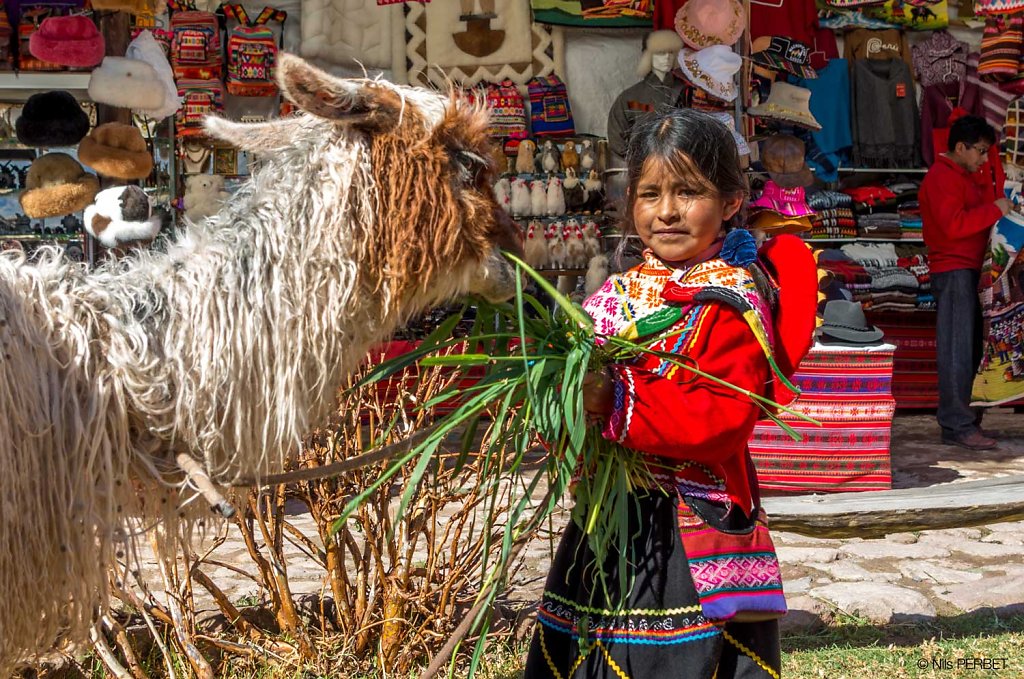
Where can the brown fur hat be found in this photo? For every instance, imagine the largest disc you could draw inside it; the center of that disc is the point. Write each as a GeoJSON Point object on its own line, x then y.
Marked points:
{"type": "Point", "coordinates": [116, 150]}
{"type": "Point", "coordinates": [57, 185]}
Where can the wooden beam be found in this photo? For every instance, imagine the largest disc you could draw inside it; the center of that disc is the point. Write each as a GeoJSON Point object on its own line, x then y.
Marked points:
{"type": "Point", "coordinates": [876, 514]}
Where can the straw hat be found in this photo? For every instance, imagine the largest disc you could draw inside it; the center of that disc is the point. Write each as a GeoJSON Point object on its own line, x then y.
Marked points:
{"type": "Point", "coordinates": [787, 102]}
{"type": "Point", "coordinates": [783, 155]}
{"type": "Point", "coordinates": [712, 69]}
{"type": "Point", "coordinates": [703, 23]}
{"type": "Point", "coordinates": [56, 185]}
{"type": "Point", "coordinates": [116, 150]}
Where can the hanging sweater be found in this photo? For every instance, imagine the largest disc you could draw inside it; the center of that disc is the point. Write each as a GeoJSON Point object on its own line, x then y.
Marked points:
{"type": "Point", "coordinates": [886, 125]}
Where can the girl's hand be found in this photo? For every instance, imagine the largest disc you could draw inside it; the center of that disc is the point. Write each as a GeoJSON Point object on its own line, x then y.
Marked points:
{"type": "Point", "coordinates": [598, 393]}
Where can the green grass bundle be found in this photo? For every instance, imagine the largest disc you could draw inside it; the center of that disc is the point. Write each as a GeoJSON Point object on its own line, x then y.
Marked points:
{"type": "Point", "coordinates": [534, 365]}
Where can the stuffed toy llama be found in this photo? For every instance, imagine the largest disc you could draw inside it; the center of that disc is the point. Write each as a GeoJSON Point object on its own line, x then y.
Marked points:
{"type": "Point", "coordinates": [503, 194]}
{"type": "Point", "coordinates": [597, 273]}
{"type": "Point", "coordinates": [575, 250]}
{"type": "Point", "coordinates": [555, 202]}
{"type": "Point", "coordinates": [591, 238]}
{"type": "Point", "coordinates": [570, 159]}
{"type": "Point", "coordinates": [588, 158]}
{"type": "Point", "coordinates": [536, 249]}
{"type": "Point", "coordinates": [550, 159]}
{"type": "Point", "coordinates": [520, 197]}
{"type": "Point", "coordinates": [575, 194]}
{"type": "Point", "coordinates": [556, 245]}
{"type": "Point", "coordinates": [372, 205]}
{"type": "Point", "coordinates": [538, 197]}
{"type": "Point", "coordinates": [525, 163]}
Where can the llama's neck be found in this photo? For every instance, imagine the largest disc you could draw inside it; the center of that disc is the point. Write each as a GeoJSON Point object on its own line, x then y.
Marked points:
{"type": "Point", "coordinates": [264, 313]}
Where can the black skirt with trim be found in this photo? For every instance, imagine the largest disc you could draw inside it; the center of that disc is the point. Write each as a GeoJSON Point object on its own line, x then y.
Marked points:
{"type": "Point", "coordinates": [658, 631]}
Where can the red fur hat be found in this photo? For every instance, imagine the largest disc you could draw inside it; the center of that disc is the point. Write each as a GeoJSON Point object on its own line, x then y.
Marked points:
{"type": "Point", "coordinates": [69, 41]}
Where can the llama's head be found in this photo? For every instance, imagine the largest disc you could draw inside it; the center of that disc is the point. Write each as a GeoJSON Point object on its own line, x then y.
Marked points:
{"type": "Point", "coordinates": [404, 175]}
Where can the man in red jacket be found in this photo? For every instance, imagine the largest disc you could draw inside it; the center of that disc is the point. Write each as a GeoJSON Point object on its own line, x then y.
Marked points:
{"type": "Point", "coordinates": [960, 203]}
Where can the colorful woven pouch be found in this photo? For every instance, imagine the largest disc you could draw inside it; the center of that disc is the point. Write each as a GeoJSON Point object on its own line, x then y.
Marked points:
{"type": "Point", "coordinates": [1001, 45]}
{"type": "Point", "coordinates": [736, 573]}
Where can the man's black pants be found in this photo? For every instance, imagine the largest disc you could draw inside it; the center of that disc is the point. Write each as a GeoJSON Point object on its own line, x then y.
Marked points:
{"type": "Point", "coordinates": [959, 345]}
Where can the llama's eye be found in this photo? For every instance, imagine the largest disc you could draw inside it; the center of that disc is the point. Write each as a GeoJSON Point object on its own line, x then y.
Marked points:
{"type": "Point", "coordinates": [471, 167]}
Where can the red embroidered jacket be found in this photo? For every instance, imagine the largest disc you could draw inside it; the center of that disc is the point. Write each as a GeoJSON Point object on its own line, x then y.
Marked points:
{"type": "Point", "coordinates": [689, 422]}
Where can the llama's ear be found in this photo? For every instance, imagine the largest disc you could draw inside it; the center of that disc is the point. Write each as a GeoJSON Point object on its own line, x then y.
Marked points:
{"type": "Point", "coordinates": [253, 137]}
{"type": "Point", "coordinates": [356, 102]}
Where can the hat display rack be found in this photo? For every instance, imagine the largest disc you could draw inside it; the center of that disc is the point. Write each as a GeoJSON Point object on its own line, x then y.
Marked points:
{"type": "Point", "coordinates": [55, 155]}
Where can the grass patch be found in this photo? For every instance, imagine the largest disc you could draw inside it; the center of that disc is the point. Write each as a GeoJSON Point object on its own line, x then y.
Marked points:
{"type": "Point", "coordinates": [943, 647]}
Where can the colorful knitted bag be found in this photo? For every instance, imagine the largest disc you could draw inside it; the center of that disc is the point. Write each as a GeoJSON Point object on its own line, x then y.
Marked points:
{"type": "Point", "coordinates": [252, 52]}
{"type": "Point", "coordinates": [195, 45]}
{"type": "Point", "coordinates": [508, 111]}
{"type": "Point", "coordinates": [997, 6]}
{"type": "Point", "coordinates": [550, 114]}
{"type": "Point", "coordinates": [1001, 48]}
{"type": "Point", "coordinates": [199, 99]}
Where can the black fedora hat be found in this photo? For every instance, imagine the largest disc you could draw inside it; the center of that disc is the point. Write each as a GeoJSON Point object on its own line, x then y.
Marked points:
{"type": "Point", "coordinates": [844, 322]}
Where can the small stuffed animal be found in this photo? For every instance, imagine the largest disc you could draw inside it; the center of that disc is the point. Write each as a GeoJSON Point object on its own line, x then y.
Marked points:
{"type": "Point", "coordinates": [204, 194]}
{"type": "Point", "coordinates": [524, 157]}
{"type": "Point", "coordinates": [597, 274]}
{"type": "Point", "coordinates": [575, 194]}
{"type": "Point", "coordinates": [121, 215]}
{"type": "Point", "coordinates": [588, 159]}
{"type": "Point", "coordinates": [591, 238]}
{"type": "Point", "coordinates": [595, 191]}
{"type": "Point", "coordinates": [503, 194]}
{"type": "Point", "coordinates": [555, 197]}
{"type": "Point", "coordinates": [575, 254]}
{"type": "Point", "coordinates": [538, 197]}
{"type": "Point", "coordinates": [549, 157]}
{"type": "Point", "coordinates": [520, 201]}
{"type": "Point", "coordinates": [536, 248]}
{"type": "Point", "coordinates": [556, 245]}
{"type": "Point", "coordinates": [570, 159]}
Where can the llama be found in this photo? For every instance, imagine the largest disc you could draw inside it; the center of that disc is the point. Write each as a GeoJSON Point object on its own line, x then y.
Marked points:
{"type": "Point", "coordinates": [373, 204]}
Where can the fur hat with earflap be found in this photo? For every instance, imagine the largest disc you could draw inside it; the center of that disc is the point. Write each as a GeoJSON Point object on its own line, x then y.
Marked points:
{"type": "Point", "coordinates": [56, 185]}
{"type": "Point", "coordinates": [121, 215]}
{"type": "Point", "coordinates": [116, 150]}
{"type": "Point", "coordinates": [658, 42]}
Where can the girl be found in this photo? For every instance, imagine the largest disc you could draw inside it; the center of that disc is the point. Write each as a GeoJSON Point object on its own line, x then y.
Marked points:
{"type": "Point", "coordinates": [705, 585]}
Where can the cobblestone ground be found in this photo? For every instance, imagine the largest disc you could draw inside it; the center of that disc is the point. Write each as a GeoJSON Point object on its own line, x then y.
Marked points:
{"type": "Point", "coordinates": [905, 575]}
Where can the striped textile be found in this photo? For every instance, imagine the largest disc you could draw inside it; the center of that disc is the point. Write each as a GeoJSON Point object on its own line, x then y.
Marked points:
{"type": "Point", "coordinates": [1001, 48]}
{"type": "Point", "coordinates": [994, 101]}
{"type": "Point", "coordinates": [915, 366]}
{"type": "Point", "coordinates": [849, 392]}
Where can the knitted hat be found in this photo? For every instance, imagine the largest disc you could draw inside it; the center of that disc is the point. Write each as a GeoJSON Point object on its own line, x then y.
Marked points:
{"type": "Point", "coordinates": [57, 185]}
{"type": "Point", "coordinates": [712, 69]}
{"type": "Point", "coordinates": [51, 119]}
{"type": "Point", "coordinates": [783, 155]}
{"type": "Point", "coordinates": [68, 40]}
{"type": "Point", "coordinates": [658, 42]}
{"type": "Point", "coordinates": [127, 83]}
{"type": "Point", "coordinates": [116, 150]}
{"type": "Point", "coordinates": [703, 23]}
{"type": "Point", "coordinates": [784, 54]}
{"type": "Point", "coordinates": [121, 215]}
{"type": "Point", "coordinates": [787, 102]}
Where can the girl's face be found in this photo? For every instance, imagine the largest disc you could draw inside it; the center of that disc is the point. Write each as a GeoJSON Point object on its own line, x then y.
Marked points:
{"type": "Point", "coordinates": [675, 216]}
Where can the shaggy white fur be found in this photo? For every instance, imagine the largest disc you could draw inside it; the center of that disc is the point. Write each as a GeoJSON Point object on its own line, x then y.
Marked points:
{"type": "Point", "coordinates": [228, 346]}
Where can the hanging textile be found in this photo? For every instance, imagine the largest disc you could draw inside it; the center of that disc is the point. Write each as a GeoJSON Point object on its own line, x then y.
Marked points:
{"type": "Point", "coordinates": [1001, 376]}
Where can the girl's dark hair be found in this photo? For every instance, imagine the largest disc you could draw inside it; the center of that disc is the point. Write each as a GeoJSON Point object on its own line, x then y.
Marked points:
{"type": "Point", "coordinates": [692, 144]}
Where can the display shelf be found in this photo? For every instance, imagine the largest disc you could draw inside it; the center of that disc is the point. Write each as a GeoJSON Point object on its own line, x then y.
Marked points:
{"type": "Point", "coordinates": [883, 170]}
{"type": "Point", "coordinates": [29, 237]}
{"type": "Point", "coordinates": [867, 239]}
{"type": "Point", "coordinates": [44, 80]}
